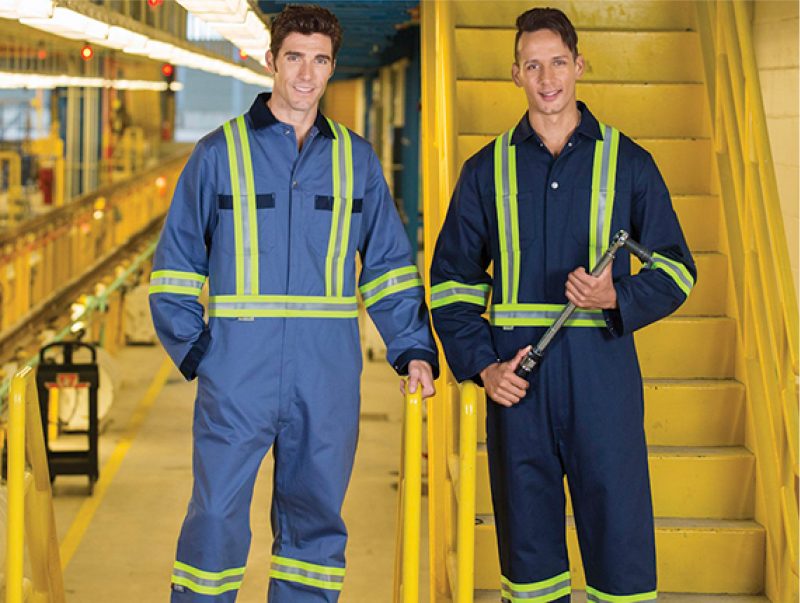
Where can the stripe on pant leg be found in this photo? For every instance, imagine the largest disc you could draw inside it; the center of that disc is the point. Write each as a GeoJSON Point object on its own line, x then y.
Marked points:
{"type": "Point", "coordinates": [536, 592]}
{"type": "Point", "coordinates": [310, 574]}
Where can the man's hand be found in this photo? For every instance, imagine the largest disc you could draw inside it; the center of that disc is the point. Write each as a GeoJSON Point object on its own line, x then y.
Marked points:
{"type": "Point", "coordinates": [500, 382]}
{"type": "Point", "coordinates": [589, 292]}
{"type": "Point", "coordinates": [419, 372]}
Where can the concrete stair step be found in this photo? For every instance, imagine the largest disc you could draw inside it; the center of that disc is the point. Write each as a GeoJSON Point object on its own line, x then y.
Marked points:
{"type": "Point", "coordinates": [490, 107]}
{"type": "Point", "coordinates": [732, 554]}
{"type": "Point", "coordinates": [610, 56]}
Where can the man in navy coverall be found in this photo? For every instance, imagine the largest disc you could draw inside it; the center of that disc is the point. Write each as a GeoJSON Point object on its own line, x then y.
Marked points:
{"type": "Point", "coordinates": [541, 203]}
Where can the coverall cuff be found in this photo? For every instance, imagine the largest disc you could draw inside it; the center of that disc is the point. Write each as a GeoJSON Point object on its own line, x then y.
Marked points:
{"type": "Point", "coordinates": [474, 375]}
{"type": "Point", "coordinates": [613, 320]}
{"type": "Point", "coordinates": [196, 352]}
{"type": "Point", "coordinates": [402, 362]}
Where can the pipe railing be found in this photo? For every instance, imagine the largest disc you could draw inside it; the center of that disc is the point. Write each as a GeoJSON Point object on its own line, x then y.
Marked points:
{"type": "Point", "coordinates": [30, 502]}
{"type": "Point", "coordinates": [765, 297]}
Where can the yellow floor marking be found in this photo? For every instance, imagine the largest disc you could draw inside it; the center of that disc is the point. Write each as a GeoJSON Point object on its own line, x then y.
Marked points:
{"type": "Point", "coordinates": [84, 517]}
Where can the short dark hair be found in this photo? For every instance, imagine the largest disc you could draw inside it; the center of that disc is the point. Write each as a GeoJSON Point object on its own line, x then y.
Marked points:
{"type": "Point", "coordinates": [305, 19]}
{"type": "Point", "coordinates": [547, 18]}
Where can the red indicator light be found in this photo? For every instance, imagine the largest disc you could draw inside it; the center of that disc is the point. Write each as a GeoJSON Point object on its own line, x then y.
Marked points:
{"type": "Point", "coordinates": [41, 54]}
{"type": "Point", "coordinates": [243, 55]}
{"type": "Point", "coordinates": [87, 52]}
{"type": "Point", "coordinates": [167, 70]}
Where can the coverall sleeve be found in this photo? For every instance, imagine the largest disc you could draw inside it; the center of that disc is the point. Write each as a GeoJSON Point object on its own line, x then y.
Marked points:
{"type": "Point", "coordinates": [657, 291]}
{"type": "Point", "coordinates": [390, 285]}
{"type": "Point", "coordinates": [460, 285]}
{"type": "Point", "coordinates": [180, 264]}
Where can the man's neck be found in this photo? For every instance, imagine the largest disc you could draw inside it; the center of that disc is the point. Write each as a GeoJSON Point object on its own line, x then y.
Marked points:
{"type": "Point", "coordinates": [301, 121]}
{"type": "Point", "coordinates": [555, 130]}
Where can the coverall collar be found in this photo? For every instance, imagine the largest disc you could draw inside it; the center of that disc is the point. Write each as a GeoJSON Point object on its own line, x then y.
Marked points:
{"type": "Point", "coordinates": [261, 116]}
{"type": "Point", "coordinates": [588, 127]}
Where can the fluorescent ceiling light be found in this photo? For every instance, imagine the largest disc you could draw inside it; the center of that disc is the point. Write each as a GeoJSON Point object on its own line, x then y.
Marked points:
{"type": "Point", "coordinates": [232, 11]}
{"type": "Point", "coordinates": [69, 24]}
{"type": "Point", "coordinates": [19, 9]}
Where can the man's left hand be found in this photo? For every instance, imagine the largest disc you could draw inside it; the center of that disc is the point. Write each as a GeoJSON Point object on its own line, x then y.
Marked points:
{"type": "Point", "coordinates": [589, 292]}
{"type": "Point", "coordinates": [419, 373]}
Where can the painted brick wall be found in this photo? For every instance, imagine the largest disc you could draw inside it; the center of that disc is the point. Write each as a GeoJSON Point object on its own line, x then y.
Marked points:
{"type": "Point", "coordinates": [775, 28]}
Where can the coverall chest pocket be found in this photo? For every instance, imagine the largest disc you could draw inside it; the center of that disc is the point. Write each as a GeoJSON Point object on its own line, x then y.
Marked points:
{"type": "Point", "coordinates": [328, 226]}
{"type": "Point", "coordinates": [236, 227]}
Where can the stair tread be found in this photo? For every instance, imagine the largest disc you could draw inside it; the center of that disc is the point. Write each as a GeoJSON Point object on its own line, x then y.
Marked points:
{"type": "Point", "coordinates": [684, 451]}
{"type": "Point", "coordinates": [676, 523]}
{"type": "Point", "coordinates": [709, 383]}
{"type": "Point", "coordinates": [579, 596]}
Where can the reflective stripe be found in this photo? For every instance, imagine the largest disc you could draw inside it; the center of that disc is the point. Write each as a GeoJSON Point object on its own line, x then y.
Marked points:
{"type": "Point", "coordinates": [244, 206]}
{"type": "Point", "coordinates": [676, 271]}
{"type": "Point", "coordinates": [282, 306]}
{"type": "Point", "coordinates": [173, 281]}
{"type": "Point", "coordinates": [536, 592]}
{"type": "Point", "coordinates": [207, 583]}
{"type": "Point", "coordinates": [505, 186]}
{"type": "Point", "coordinates": [604, 176]}
{"type": "Point", "coordinates": [342, 170]}
{"type": "Point", "coordinates": [391, 282]}
{"type": "Point", "coordinates": [311, 574]}
{"type": "Point", "coordinates": [451, 292]}
{"type": "Point", "coordinates": [595, 596]}
{"type": "Point", "coordinates": [541, 315]}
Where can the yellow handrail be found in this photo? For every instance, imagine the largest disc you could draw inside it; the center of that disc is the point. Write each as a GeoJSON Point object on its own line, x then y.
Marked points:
{"type": "Point", "coordinates": [30, 504]}
{"type": "Point", "coordinates": [764, 295]}
{"type": "Point", "coordinates": [406, 582]}
{"type": "Point", "coordinates": [467, 452]}
{"type": "Point", "coordinates": [438, 163]}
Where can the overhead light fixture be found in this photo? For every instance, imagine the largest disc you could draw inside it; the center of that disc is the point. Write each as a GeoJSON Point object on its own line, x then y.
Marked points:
{"type": "Point", "coordinates": [69, 24]}
{"type": "Point", "coordinates": [20, 9]}
{"type": "Point", "coordinates": [12, 80]}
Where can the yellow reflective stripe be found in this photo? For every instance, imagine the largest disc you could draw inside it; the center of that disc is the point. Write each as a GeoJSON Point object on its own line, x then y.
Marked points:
{"type": "Point", "coordinates": [305, 580]}
{"type": "Point", "coordinates": [536, 592]}
{"type": "Point", "coordinates": [410, 284]}
{"type": "Point", "coordinates": [512, 205]}
{"type": "Point", "coordinates": [347, 209]}
{"type": "Point", "coordinates": [282, 306]}
{"type": "Point", "coordinates": [337, 208]}
{"type": "Point", "coordinates": [251, 202]}
{"type": "Point", "coordinates": [451, 292]}
{"type": "Point", "coordinates": [595, 596]}
{"type": "Point", "coordinates": [206, 590]}
{"type": "Point", "coordinates": [281, 313]}
{"type": "Point", "coordinates": [541, 315]}
{"type": "Point", "coordinates": [299, 299]}
{"type": "Point", "coordinates": [676, 271]}
{"type": "Point", "coordinates": [604, 176]}
{"type": "Point", "coordinates": [174, 289]}
{"type": "Point", "coordinates": [312, 567]}
{"type": "Point", "coordinates": [368, 287]}
{"type": "Point", "coordinates": [234, 571]}
{"type": "Point", "coordinates": [237, 212]}
{"type": "Point", "coordinates": [505, 185]}
{"type": "Point", "coordinates": [191, 276]}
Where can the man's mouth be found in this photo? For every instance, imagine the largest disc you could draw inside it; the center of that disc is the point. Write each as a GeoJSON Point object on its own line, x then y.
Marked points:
{"type": "Point", "coordinates": [551, 95]}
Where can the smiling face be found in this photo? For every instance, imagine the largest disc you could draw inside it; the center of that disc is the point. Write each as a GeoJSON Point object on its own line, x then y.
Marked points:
{"type": "Point", "coordinates": [548, 71]}
{"type": "Point", "coordinates": [301, 72]}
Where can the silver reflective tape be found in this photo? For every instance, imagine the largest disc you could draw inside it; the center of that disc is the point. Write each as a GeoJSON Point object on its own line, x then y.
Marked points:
{"type": "Point", "coordinates": [459, 291]}
{"type": "Point", "coordinates": [296, 571]}
{"type": "Point", "coordinates": [179, 573]}
{"type": "Point", "coordinates": [244, 211]}
{"type": "Point", "coordinates": [175, 282]}
{"type": "Point", "coordinates": [540, 592]}
{"type": "Point", "coordinates": [509, 242]}
{"type": "Point", "coordinates": [592, 598]}
{"type": "Point", "coordinates": [543, 314]}
{"type": "Point", "coordinates": [677, 267]}
{"type": "Point", "coordinates": [396, 280]}
{"type": "Point", "coordinates": [602, 194]}
{"type": "Point", "coordinates": [312, 307]}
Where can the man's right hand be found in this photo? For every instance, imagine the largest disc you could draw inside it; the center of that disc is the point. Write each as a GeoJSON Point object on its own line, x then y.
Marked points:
{"type": "Point", "coordinates": [500, 382]}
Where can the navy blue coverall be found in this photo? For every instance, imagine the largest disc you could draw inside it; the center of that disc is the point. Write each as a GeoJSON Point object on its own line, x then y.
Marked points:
{"type": "Point", "coordinates": [536, 218]}
{"type": "Point", "coordinates": [275, 231]}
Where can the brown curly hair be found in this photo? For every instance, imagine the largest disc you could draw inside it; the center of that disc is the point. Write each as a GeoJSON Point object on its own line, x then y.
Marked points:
{"type": "Point", "coordinates": [306, 19]}
{"type": "Point", "coordinates": [547, 18]}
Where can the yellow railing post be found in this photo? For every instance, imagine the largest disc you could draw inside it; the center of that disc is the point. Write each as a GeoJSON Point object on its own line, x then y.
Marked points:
{"type": "Point", "coordinates": [30, 504]}
{"type": "Point", "coordinates": [467, 452]}
{"type": "Point", "coordinates": [409, 491]}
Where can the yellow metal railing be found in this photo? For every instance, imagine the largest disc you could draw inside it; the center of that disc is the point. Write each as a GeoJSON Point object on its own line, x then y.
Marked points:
{"type": "Point", "coordinates": [765, 297]}
{"type": "Point", "coordinates": [462, 577]}
{"type": "Point", "coordinates": [438, 163]}
{"type": "Point", "coordinates": [409, 507]}
{"type": "Point", "coordinates": [30, 504]}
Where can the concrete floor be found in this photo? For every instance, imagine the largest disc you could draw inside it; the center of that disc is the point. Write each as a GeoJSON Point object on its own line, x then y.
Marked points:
{"type": "Point", "coordinates": [126, 552]}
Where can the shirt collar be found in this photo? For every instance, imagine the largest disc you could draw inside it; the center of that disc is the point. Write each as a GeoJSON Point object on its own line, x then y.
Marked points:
{"type": "Point", "coordinates": [588, 127]}
{"type": "Point", "coordinates": [261, 116]}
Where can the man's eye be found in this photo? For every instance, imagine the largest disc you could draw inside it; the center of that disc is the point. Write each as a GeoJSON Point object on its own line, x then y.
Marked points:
{"type": "Point", "coordinates": [532, 66]}
{"type": "Point", "coordinates": [322, 61]}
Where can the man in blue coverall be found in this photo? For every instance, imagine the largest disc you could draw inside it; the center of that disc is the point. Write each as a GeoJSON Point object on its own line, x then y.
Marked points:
{"type": "Point", "coordinates": [541, 204]}
{"type": "Point", "coordinates": [271, 209]}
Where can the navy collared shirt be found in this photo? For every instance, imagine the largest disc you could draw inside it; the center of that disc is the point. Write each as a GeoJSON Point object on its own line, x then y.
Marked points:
{"type": "Point", "coordinates": [554, 200]}
{"type": "Point", "coordinates": [261, 116]}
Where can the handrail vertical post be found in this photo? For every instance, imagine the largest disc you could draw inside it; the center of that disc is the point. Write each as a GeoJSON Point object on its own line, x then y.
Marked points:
{"type": "Point", "coordinates": [467, 451]}
{"type": "Point", "coordinates": [412, 495]}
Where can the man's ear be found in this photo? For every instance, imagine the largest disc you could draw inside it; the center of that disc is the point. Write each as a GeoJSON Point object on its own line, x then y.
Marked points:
{"type": "Point", "coordinates": [515, 74]}
{"type": "Point", "coordinates": [271, 62]}
{"type": "Point", "coordinates": [580, 65]}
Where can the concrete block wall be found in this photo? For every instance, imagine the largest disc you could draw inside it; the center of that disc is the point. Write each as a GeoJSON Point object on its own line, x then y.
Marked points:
{"type": "Point", "coordinates": [775, 27]}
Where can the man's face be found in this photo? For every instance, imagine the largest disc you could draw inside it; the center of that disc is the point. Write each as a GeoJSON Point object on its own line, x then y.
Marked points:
{"type": "Point", "coordinates": [547, 71]}
{"type": "Point", "coordinates": [301, 70]}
